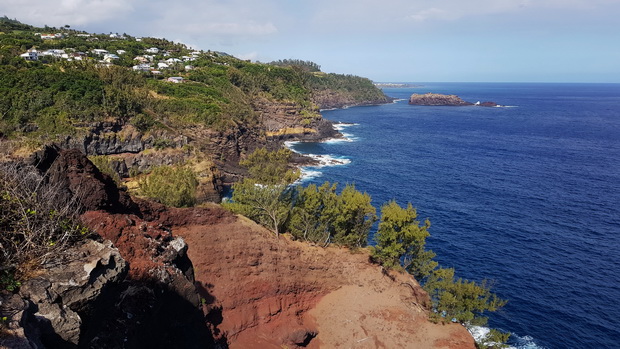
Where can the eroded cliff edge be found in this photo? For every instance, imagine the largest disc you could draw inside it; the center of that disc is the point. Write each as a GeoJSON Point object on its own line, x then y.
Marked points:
{"type": "Point", "coordinates": [253, 290]}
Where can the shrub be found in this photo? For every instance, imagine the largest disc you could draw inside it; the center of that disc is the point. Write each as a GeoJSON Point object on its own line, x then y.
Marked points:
{"type": "Point", "coordinates": [104, 165]}
{"type": "Point", "coordinates": [172, 186]}
{"type": "Point", "coordinates": [37, 223]}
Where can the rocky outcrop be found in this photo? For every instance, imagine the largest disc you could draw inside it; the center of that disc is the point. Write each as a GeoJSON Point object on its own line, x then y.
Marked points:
{"type": "Point", "coordinates": [332, 99]}
{"type": "Point", "coordinates": [51, 309]}
{"type": "Point", "coordinates": [157, 295]}
{"type": "Point", "coordinates": [105, 138]}
{"type": "Point", "coordinates": [435, 99]}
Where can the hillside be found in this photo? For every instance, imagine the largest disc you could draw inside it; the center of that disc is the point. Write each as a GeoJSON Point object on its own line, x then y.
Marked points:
{"type": "Point", "coordinates": [205, 278]}
{"type": "Point", "coordinates": [121, 97]}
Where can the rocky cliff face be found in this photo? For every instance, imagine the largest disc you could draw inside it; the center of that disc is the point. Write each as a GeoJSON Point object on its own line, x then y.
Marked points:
{"type": "Point", "coordinates": [330, 99]}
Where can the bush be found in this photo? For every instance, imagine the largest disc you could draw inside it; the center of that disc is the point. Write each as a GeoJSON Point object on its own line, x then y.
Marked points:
{"type": "Point", "coordinates": [104, 165]}
{"type": "Point", "coordinates": [36, 223]}
{"type": "Point", "coordinates": [172, 186]}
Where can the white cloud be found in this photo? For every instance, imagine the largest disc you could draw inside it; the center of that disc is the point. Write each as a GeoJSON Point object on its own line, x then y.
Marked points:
{"type": "Point", "coordinates": [73, 12]}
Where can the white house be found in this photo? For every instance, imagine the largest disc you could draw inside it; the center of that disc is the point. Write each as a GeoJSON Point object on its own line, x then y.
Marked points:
{"type": "Point", "coordinates": [30, 55]}
{"type": "Point", "coordinates": [162, 66]}
{"type": "Point", "coordinates": [189, 67]}
{"type": "Point", "coordinates": [141, 67]}
{"type": "Point", "coordinates": [175, 79]}
{"type": "Point", "coordinates": [110, 57]}
{"type": "Point", "coordinates": [141, 59]}
{"type": "Point", "coordinates": [153, 50]}
{"type": "Point", "coordinates": [48, 36]}
{"type": "Point", "coordinates": [53, 52]}
{"type": "Point", "coordinates": [121, 52]}
{"type": "Point", "coordinates": [173, 60]}
{"type": "Point", "coordinates": [99, 51]}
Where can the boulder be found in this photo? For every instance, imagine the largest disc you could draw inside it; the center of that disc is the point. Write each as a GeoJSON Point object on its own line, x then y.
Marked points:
{"type": "Point", "coordinates": [50, 308]}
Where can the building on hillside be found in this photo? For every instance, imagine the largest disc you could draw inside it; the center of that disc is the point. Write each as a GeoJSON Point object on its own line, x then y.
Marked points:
{"type": "Point", "coordinates": [30, 55]}
{"type": "Point", "coordinates": [173, 60]}
{"type": "Point", "coordinates": [99, 51]}
{"type": "Point", "coordinates": [162, 66]}
{"type": "Point", "coordinates": [141, 59]}
{"type": "Point", "coordinates": [153, 50]}
{"type": "Point", "coordinates": [141, 67]}
{"type": "Point", "coordinates": [176, 79]}
{"type": "Point", "coordinates": [110, 57]}
{"type": "Point", "coordinates": [48, 36]}
{"type": "Point", "coordinates": [121, 52]}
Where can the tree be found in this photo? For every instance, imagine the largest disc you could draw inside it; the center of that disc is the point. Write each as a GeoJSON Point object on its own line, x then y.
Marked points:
{"type": "Point", "coordinates": [265, 197]}
{"type": "Point", "coordinates": [401, 241]}
{"type": "Point", "coordinates": [354, 218]}
{"type": "Point", "coordinates": [460, 300]}
{"type": "Point", "coordinates": [270, 167]}
{"type": "Point", "coordinates": [268, 205]}
{"type": "Point", "coordinates": [172, 186]}
{"type": "Point", "coordinates": [314, 213]}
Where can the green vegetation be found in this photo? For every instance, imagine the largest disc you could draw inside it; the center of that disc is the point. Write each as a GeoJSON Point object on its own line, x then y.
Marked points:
{"type": "Point", "coordinates": [104, 164]}
{"type": "Point", "coordinates": [313, 214]}
{"type": "Point", "coordinates": [307, 66]}
{"type": "Point", "coordinates": [321, 215]}
{"type": "Point", "coordinates": [265, 196]}
{"type": "Point", "coordinates": [36, 223]}
{"type": "Point", "coordinates": [54, 96]}
{"type": "Point", "coordinates": [401, 244]}
{"type": "Point", "coordinates": [172, 186]}
{"type": "Point", "coordinates": [266, 204]}
{"type": "Point", "coordinates": [267, 167]}
{"type": "Point", "coordinates": [460, 300]}
{"type": "Point", "coordinates": [401, 241]}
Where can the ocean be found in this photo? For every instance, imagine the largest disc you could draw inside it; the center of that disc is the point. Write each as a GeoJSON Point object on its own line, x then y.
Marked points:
{"type": "Point", "coordinates": [526, 195]}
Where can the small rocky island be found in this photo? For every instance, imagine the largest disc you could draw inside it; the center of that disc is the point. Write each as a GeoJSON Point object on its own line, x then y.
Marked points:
{"type": "Point", "coordinates": [436, 99]}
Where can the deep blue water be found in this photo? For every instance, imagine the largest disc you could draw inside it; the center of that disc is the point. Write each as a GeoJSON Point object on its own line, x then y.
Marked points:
{"type": "Point", "coordinates": [528, 196]}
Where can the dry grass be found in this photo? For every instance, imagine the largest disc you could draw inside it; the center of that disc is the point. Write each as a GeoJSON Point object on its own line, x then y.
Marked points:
{"type": "Point", "coordinates": [37, 221]}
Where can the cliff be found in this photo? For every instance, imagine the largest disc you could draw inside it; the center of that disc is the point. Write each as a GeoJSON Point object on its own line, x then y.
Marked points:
{"type": "Point", "coordinates": [203, 277]}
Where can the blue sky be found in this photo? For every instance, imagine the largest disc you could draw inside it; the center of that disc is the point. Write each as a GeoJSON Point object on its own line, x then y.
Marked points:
{"type": "Point", "coordinates": [385, 40]}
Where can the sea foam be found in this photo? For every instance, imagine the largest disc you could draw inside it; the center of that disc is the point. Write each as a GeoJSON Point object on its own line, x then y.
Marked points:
{"type": "Point", "coordinates": [517, 342]}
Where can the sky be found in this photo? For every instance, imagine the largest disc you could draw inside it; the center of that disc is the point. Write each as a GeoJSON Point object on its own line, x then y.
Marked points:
{"type": "Point", "coordinates": [384, 40]}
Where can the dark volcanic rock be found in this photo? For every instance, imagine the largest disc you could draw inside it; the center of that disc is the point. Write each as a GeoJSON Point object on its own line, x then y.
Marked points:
{"type": "Point", "coordinates": [435, 99]}
{"type": "Point", "coordinates": [71, 171]}
{"type": "Point", "coordinates": [50, 310]}
{"type": "Point", "coordinates": [487, 104]}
